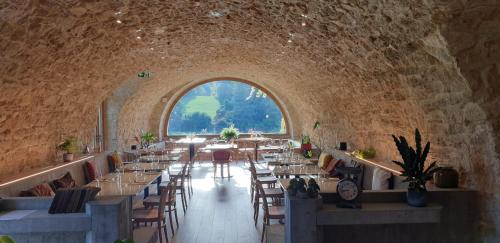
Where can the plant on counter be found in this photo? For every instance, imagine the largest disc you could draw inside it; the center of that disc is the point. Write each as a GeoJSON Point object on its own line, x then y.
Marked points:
{"type": "Point", "coordinates": [147, 138]}
{"type": "Point", "coordinates": [312, 188]}
{"type": "Point", "coordinates": [69, 146]}
{"type": "Point", "coordinates": [413, 168]}
{"type": "Point", "coordinates": [229, 133]}
{"type": "Point", "coordinates": [306, 146]}
{"type": "Point", "coordinates": [368, 153]}
{"type": "Point", "coordinates": [298, 187]}
{"type": "Point", "coordinates": [124, 241]}
{"type": "Point", "coordinates": [6, 239]}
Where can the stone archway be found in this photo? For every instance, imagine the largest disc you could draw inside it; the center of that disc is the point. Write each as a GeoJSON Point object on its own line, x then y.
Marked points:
{"type": "Point", "coordinates": [172, 99]}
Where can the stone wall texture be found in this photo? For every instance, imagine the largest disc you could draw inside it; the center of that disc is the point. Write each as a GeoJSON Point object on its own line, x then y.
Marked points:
{"type": "Point", "coordinates": [364, 69]}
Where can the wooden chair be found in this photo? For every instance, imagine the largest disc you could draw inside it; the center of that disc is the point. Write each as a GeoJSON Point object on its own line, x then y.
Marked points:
{"type": "Point", "coordinates": [170, 204]}
{"type": "Point", "coordinates": [221, 157]}
{"type": "Point", "coordinates": [258, 173]}
{"type": "Point", "coordinates": [270, 212]}
{"type": "Point", "coordinates": [155, 214]}
{"type": "Point", "coordinates": [269, 192]}
{"type": "Point", "coordinates": [181, 185]}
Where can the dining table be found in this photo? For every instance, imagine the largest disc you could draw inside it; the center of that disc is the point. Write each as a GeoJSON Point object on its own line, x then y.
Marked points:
{"type": "Point", "coordinates": [219, 146]}
{"type": "Point", "coordinates": [256, 141]}
{"type": "Point", "coordinates": [191, 142]}
{"type": "Point", "coordinates": [126, 183]}
{"type": "Point", "coordinates": [326, 185]}
{"type": "Point", "coordinates": [285, 171]}
{"type": "Point", "coordinates": [277, 159]}
{"type": "Point", "coordinates": [160, 158]}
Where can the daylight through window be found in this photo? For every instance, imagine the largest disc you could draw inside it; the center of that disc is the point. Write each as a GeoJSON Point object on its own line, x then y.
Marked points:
{"type": "Point", "coordinates": [210, 107]}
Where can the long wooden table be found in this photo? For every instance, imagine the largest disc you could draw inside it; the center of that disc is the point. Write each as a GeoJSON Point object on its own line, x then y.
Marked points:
{"type": "Point", "coordinates": [124, 184]}
{"type": "Point", "coordinates": [256, 141]}
{"type": "Point", "coordinates": [160, 158]}
{"type": "Point", "coordinates": [191, 143]}
{"type": "Point", "coordinates": [300, 170]}
{"type": "Point", "coordinates": [279, 159]}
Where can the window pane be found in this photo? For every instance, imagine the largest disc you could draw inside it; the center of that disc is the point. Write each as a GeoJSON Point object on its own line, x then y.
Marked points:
{"type": "Point", "coordinates": [210, 107]}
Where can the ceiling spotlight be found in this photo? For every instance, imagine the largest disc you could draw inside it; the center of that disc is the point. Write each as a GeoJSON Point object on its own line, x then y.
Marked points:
{"type": "Point", "coordinates": [215, 14]}
{"type": "Point", "coordinates": [289, 41]}
{"type": "Point", "coordinates": [138, 37]}
{"type": "Point", "coordinates": [118, 21]}
{"type": "Point", "coordinates": [303, 23]}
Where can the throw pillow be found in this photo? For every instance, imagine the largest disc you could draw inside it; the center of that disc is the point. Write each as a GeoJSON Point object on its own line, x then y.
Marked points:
{"type": "Point", "coordinates": [380, 179]}
{"type": "Point", "coordinates": [42, 190]}
{"type": "Point", "coordinates": [117, 159]}
{"type": "Point", "coordinates": [64, 182]}
{"type": "Point", "coordinates": [332, 165]}
{"type": "Point", "coordinates": [90, 171]}
{"type": "Point", "coordinates": [324, 159]}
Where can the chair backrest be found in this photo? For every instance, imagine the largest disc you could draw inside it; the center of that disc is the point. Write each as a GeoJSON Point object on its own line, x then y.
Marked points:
{"type": "Point", "coordinates": [172, 197]}
{"type": "Point", "coordinates": [164, 194]}
{"type": "Point", "coordinates": [260, 190]}
{"type": "Point", "coordinates": [221, 155]}
{"type": "Point", "coordinates": [250, 161]}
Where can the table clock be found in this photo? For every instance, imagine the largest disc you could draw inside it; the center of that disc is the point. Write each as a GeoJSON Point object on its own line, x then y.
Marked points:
{"type": "Point", "coordinates": [348, 189]}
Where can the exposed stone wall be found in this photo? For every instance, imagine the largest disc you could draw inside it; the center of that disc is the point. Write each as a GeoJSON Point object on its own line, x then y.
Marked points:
{"type": "Point", "coordinates": [364, 69]}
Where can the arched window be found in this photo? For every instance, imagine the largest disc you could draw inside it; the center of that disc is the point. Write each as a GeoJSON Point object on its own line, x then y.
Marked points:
{"type": "Point", "coordinates": [210, 107]}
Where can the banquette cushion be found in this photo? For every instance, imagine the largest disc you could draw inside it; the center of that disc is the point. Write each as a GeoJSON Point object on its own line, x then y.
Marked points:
{"type": "Point", "coordinates": [41, 190]}
{"type": "Point", "coordinates": [380, 179]}
{"type": "Point", "coordinates": [64, 182]}
{"type": "Point", "coordinates": [89, 171]}
{"type": "Point", "coordinates": [324, 160]}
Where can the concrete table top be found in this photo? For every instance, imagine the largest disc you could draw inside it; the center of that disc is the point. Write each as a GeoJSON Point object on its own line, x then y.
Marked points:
{"type": "Point", "coordinates": [129, 185]}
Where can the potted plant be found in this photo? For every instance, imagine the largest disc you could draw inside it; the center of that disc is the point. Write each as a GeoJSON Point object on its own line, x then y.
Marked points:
{"type": "Point", "coordinates": [6, 239]}
{"type": "Point", "coordinates": [229, 133]}
{"type": "Point", "coordinates": [305, 145]}
{"type": "Point", "coordinates": [368, 153]}
{"type": "Point", "coordinates": [69, 147]}
{"type": "Point", "coordinates": [147, 138]}
{"type": "Point", "coordinates": [299, 188]}
{"type": "Point", "coordinates": [413, 168]}
{"type": "Point", "coordinates": [312, 188]}
{"type": "Point", "coordinates": [124, 241]}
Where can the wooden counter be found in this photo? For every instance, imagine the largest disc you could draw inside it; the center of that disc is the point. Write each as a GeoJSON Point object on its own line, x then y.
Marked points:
{"type": "Point", "coordinates": [379, 213]}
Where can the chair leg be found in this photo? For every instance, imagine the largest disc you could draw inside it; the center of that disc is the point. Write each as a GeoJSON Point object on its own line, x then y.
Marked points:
{"type": "Point", "coordinates": [263, 232]}
{"type": "Point", "coordinates": [176, 218]}
{"type": "Point", "coordinates": [228, 171]}
{"type": "Point", "coordinates": [159, 232]}
{"type": "Point", "coordinates": [251, 190]}
{"type": "Point", "coordinates": [184, 207]}
{"type": "Point", "coordinates": [215, 169]}
{"type": "Point", "coordinates": [190, 186]}
{"type": "Point", "coordinates": [185, 197]}
{"type": "Point", "coordinates": [165, 230]}
{"type": "Point", "coordinates": [170, 218]}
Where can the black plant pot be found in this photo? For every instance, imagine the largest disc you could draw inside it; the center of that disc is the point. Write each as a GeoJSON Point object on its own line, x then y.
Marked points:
{"type": "Point", "coordinates": [416, 198]}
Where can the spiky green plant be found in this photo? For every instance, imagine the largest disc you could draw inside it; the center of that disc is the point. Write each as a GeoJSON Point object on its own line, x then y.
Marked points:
{"type": "Point", "coordinates": [414, 162]}
{"type": "Point", "coordinates": [69, 145]}
{"type": "Point", "coordinates": [229, 133]}
{"type": "Point", "coordinates": [147, 138]}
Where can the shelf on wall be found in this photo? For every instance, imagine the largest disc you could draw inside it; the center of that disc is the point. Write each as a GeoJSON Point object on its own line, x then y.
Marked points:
{"type": "Point", "coordinates": [40, 171]}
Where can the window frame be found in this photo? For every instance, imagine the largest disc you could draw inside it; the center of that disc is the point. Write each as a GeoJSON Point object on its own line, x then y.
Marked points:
{"type": "Point", "coordinates": [269, 94]}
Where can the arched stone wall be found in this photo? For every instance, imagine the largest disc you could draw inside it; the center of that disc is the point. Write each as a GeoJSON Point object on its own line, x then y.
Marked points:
{"type": "Point", "coordinates": [364, 69]}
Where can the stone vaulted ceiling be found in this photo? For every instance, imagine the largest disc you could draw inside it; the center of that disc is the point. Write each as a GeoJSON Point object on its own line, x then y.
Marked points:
{"type": "Point", "coordinates": [365, 69]}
